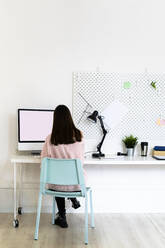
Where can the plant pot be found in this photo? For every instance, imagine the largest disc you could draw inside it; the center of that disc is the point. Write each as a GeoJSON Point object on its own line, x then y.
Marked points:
{"type": "Point", "coordinates": [130, 152]}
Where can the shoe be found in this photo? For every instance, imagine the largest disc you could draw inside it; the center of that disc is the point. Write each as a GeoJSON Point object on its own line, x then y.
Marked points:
{"type": "Point", "coordinates": [61, 221]}
{"type": "Point", "coordinates": [75, 204]}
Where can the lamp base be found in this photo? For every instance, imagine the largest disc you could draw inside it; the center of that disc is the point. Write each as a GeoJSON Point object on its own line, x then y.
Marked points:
{"type": "Point", "coordinates": [98, 155]}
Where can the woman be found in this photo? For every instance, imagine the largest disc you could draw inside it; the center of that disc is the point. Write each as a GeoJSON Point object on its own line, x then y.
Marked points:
{"type": "Point", "coordinates": [65, 142]}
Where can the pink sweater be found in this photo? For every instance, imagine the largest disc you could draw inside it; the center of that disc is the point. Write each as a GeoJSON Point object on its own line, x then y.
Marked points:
{"type": "Point", "coordinates": [75, 150]}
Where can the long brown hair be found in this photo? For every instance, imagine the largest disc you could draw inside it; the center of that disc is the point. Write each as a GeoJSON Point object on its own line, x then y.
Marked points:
{"type": "Point", "coordinates": [64, 130]}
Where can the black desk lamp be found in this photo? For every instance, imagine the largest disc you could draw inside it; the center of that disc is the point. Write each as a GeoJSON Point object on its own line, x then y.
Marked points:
{"type": "Point", "coordinates": [93, 117]}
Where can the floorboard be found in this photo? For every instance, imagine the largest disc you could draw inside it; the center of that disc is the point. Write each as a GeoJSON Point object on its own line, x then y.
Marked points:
{"type": "Point", "coordinates": [111, 231]}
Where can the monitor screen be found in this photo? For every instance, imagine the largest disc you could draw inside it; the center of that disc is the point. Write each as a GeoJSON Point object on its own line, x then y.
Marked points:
{"type": "Point", "coordinates": [34, 125]}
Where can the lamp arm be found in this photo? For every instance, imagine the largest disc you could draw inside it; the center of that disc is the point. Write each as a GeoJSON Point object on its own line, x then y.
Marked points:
{"type": "Point", "coordinates": [104, 134]}
{"type": "Point", "coordinates": [100, 144]}
{"type": "Point", "coordinates": [102, 124]}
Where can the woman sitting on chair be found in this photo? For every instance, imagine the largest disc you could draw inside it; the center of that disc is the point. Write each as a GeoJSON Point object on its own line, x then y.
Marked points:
{"type": "Point", "coordinates": [65, 142]}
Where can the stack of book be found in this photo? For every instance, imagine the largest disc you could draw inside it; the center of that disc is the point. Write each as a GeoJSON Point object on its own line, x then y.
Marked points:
{"type": "Point", "coordinates": [159, 152]}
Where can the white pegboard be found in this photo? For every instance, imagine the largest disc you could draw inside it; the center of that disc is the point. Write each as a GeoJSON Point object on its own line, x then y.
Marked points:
{"type": "Point", "coordinates": [146, 105]}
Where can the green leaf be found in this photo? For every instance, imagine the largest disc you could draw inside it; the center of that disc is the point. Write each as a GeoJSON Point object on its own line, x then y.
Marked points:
{"type": "Point", "coordinates": [153, 84]}
{"type": "Point", "coordinates": [130, 141]}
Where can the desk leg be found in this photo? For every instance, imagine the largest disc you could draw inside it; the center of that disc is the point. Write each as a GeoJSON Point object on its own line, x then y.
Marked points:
{"type": "Point", "coordinates": [15, 221]}
{"type": "Point", "coordinates": [20, 190]}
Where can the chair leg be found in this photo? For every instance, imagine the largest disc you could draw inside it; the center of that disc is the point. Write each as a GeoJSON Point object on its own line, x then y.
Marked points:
{"type": "Point", "coordinates": [86, 219]}
{"type": "Point", "coordinates": [91, 208]}
{"type": "Point", "coordinates": [53, 210]}
{"type": "Point", "coordinates": [38, 216]}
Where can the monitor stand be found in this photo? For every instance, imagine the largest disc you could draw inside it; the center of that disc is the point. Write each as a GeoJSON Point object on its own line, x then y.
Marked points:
{"type": "Point", "coordinates": [34, 153]}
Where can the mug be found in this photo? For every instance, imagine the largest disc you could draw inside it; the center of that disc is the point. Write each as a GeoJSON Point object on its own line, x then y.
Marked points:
{"type": "Point", "coordinates": [144, 148]}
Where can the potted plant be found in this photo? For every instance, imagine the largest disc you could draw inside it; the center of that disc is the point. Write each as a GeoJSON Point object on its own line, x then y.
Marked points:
{"type": "Point", "coordinates": [130, 143]}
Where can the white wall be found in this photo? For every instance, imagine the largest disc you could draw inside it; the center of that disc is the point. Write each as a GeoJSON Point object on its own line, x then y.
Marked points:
{"type": "Point", "coordinates": [43, 42]}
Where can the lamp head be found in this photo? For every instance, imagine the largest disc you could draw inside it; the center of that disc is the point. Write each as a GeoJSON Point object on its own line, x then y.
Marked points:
{"type": "Point", "coordinates": [93, 116]}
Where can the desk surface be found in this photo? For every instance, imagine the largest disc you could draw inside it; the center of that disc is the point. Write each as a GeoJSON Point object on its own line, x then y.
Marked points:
{"type": "Point", "coordinates": [89, 161]}
{"type": "Point", "coordinates": [125, 160]}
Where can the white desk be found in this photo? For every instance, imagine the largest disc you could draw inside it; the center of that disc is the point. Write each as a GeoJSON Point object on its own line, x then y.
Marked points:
{"type": "Point", "coordinates": [19, 160]}
{"type": "Point", "coordinates": [120, 160]}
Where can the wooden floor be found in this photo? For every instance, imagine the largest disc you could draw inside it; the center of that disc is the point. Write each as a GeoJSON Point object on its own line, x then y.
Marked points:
{"type": "Point", "coordinates": [112, 231]}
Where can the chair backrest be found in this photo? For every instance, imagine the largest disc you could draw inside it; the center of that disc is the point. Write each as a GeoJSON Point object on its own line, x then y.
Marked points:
{"type": "Point", "coordinates": [62, 172]}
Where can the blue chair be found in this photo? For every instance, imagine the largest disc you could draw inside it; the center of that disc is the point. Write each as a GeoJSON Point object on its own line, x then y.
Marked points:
{"type": "Point", "coordinates": [63, 172]}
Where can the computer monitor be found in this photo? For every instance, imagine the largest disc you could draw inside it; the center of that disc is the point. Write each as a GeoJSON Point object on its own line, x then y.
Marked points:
{"type": "Point", "coordinates": [33, 127]}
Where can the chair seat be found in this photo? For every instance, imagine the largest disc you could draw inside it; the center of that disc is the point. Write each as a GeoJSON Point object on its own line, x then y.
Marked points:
{"type": "Point", "coordinates": [66, 193]}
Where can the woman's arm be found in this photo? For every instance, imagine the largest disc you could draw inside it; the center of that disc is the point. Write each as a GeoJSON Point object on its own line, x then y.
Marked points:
{"type": "Point", "coordinates": [44, 152]}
